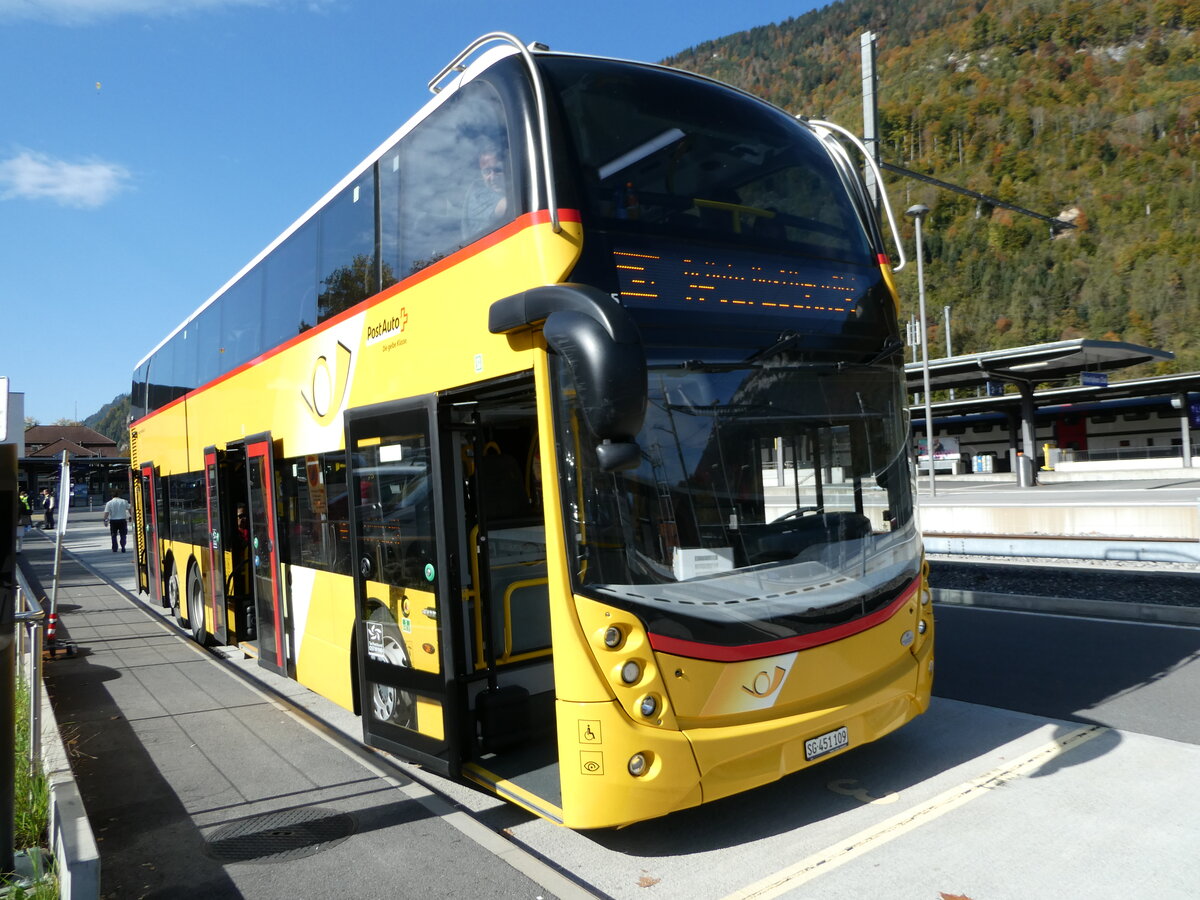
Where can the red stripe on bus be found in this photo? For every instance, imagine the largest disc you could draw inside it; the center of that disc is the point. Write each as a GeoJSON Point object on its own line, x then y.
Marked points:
{"type": "Point", "coordinates": [539, 217]}
{"type": "Point", "coordinates": [717, 653]}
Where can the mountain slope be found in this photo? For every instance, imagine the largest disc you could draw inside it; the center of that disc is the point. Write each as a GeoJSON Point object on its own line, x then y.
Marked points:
{"type": "Point", "coordinates": [1089, 108]}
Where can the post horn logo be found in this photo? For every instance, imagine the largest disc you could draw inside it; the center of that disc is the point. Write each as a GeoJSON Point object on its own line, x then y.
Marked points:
{"type": "Point", "coordinates": [764, 684]}
{"type": "Point", "coordinates": [327, 390]}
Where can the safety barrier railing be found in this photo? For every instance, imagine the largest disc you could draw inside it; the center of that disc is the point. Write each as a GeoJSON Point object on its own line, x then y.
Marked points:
{"type": "Point", "coordinates": [30, 616]}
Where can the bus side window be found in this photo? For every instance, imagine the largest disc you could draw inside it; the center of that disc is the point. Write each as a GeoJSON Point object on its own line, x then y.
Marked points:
{"type": "Point", "coordinates": [454, 182]}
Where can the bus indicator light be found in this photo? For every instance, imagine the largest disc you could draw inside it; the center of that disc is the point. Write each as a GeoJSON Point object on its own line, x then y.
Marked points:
{"type": "Point", "coordinates": [631, 672]}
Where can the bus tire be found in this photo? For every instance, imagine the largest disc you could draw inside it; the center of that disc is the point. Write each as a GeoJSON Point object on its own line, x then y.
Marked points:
{"type": "Point", "coordinates": [195, 607]}
{"type": "Point", "coordinates": [172, 597]}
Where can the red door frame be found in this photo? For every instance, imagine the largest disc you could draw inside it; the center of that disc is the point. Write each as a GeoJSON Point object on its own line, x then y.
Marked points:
{"type": "Point", "coordinates": [260, 447]}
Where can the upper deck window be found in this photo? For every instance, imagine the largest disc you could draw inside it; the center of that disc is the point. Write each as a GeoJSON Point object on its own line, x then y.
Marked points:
{"type": "Point", "coordinates": [448, 183]}
{"type": "Point", "coordinates": [663, 153]}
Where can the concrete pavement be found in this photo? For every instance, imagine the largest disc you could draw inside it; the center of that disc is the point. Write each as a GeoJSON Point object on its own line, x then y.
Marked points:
{"type": "Point", "coordinates": [198, 783]}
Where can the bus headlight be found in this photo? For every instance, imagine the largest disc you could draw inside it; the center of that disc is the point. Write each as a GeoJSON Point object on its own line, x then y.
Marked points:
{"type": "Point", "coordinates": [649, 706]}
{"type": "Point", "coordinates": [638, 765]}
{"type": "Point", "coordinates": [631, 672]}
{"type": "Point", "coordinates": [613, 637]}
{"type": "Point", "coordinates": [922, 627]}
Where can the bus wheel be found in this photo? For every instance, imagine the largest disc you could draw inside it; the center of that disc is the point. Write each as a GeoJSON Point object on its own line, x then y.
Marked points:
{"type": "Point", "coordinates": [385, 645]}
{"type": "Point", "coordinates": [195, 606]}
{"type": "Point", "coordinates": [173, 593]}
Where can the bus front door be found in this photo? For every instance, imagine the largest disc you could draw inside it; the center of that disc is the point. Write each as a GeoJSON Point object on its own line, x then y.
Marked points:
{"type": "Point", "coordinates": [264, 554]}
{"type": "Point", "coordinates": [404, 581]}
{"type": "Point", "coordinates": [149, 557]}
{"type": "Point", "coordinates": [215, 596]}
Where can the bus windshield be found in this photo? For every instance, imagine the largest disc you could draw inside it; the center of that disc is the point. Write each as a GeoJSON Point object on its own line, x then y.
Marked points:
{"type": "Point", "coordinates": [771, 500]}
{"type": "Point", "coordinates": [663, 153]}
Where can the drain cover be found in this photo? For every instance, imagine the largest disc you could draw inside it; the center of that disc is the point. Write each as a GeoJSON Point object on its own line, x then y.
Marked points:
{"type": "Point", "coordinates": [280, 836]}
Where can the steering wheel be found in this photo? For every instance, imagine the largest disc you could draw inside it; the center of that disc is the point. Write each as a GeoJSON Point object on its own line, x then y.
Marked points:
{"type": "Point", "coordinates": [797, 513]}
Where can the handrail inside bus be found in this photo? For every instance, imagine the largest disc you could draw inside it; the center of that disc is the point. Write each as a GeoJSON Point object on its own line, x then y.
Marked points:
{"type": "Point", "coordinates": [887, 205]}
{"type": "Point", "coordinates": [456, 65]}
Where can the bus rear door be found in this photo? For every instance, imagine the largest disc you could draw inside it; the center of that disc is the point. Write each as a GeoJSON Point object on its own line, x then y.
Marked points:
{"type": "Point", "coordinates": [264, 554]}
{"type": "Point", "coordinates": [404, 583]}
{"type": "Point", "coordinates": [149, 556]}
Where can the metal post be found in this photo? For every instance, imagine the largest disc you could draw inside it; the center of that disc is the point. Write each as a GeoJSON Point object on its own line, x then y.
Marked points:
{"type": "Point", "coordinates": [30, 616]}
{"type": "Point", "coordinates": [949, 349]}
{"type": "Point", "coordinates": [1185, 429]}
{"type": "Point", "coordinates": [918, 213]}
{"type": "Point", "coordinates": [870, 111]}
{"type": "Point", "coordinates": [1027, 473]}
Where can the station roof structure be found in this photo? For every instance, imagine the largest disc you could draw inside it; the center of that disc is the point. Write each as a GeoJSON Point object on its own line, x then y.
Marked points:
{"type": "Point", "coordinates": [1032, 365]}
{"type": "Point", "coordinates": [1027, 367]}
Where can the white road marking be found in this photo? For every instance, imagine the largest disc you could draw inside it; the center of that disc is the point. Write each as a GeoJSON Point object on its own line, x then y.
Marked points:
{"type": "Point", "coordinates": [897, 826]}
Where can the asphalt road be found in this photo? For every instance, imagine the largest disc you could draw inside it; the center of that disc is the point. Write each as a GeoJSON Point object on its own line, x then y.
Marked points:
{"type": "Point", "coordinates": [1126, 675]}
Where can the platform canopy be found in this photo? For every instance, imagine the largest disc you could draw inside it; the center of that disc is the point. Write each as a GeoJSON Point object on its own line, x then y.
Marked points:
{"type": "Point", "coordinates": [1036, 364]}
{"type": "Point", "coordinates": [1025, 368]}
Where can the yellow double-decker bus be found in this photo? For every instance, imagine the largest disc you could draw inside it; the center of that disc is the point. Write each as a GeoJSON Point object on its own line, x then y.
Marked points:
{"type": "Point", "coordinates": [564, 440]}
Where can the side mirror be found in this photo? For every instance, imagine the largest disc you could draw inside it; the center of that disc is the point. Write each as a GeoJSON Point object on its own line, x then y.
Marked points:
{"type": "Point", "coordinates": [602, 346]}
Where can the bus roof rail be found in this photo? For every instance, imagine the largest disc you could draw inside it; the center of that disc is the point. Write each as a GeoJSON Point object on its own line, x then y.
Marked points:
{"type": "Point", "coordinates": [883, 195]}
{"type": "Point", "coordinates": [458, 65]}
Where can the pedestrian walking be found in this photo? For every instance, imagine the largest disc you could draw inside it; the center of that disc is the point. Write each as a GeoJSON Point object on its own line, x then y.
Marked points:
{"type": "Point", "coordinates": [116, 517]}
{"type": "Point", "coordinates": [25, 511]}
{"type": "Point", "coordinates": [24, 516]}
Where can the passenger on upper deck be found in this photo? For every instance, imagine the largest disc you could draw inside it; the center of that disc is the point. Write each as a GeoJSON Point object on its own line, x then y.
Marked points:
{"type": "Point", "coordinates": [486, 204]}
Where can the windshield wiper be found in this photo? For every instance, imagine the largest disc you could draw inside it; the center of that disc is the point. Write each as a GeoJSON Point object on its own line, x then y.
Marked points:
{"type": "Point", "coordinates": [785, 340]}
{"type": "Point", "coordinates": [889, 349]}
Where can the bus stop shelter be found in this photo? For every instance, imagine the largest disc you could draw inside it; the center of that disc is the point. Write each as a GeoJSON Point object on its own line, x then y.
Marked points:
{"type": "Point", "coordinates": [1027, 368]}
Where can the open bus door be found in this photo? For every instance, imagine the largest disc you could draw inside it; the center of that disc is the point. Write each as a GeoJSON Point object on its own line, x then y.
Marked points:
{"type": "Point", "coordinates": [264, 553]}
{"type": "Point", "coordinates": [405, 584]}
{"type": "Point", "coordinates": [214, 486]}
{"type": "Point", "coordinates": [148, 554]}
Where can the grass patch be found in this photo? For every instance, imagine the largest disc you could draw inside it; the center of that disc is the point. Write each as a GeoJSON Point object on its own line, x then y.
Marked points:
{"type": "Point", "coordinates": [31, 790]}
{"type": "Point", "coordinates": [31, 804]}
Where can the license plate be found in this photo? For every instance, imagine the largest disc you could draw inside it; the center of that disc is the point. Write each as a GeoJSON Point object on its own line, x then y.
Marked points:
{"type": "Point", "coordinates": [826, 743]}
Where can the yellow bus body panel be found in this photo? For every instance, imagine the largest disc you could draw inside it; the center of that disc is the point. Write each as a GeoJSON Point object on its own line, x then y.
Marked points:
{"type": "Point", "coordinates": [867, 682]}
{"type": "Point", "coordinates": [595, 744]}
{"type": "Point", "coordinates": [725, 727]}
{"type": "Point", "coordinates": [323, 623]}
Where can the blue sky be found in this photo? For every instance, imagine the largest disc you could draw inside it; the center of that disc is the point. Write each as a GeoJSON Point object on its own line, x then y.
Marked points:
{"type": "Point", "coordinates": [150, 148]}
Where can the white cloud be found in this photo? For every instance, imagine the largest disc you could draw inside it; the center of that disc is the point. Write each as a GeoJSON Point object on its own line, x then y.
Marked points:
{"type": "Point", "coordinates": [85, 12]}
{"type": "Point", "coordinates": [83, 185]}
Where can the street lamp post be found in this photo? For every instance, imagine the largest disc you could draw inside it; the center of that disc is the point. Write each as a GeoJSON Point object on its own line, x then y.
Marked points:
{"type": "Point", "coordinates": [918, 213]}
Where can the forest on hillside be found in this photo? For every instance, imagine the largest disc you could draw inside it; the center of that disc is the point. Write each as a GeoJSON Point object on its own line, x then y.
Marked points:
{"type": "Point", "coordinates": [112, 420]}
{"type": "Point", "coordinates": [1087, 110]}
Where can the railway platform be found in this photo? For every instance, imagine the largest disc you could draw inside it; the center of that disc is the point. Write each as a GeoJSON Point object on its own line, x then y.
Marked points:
{"type": "Point", "coordinates": [1112, 517]}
